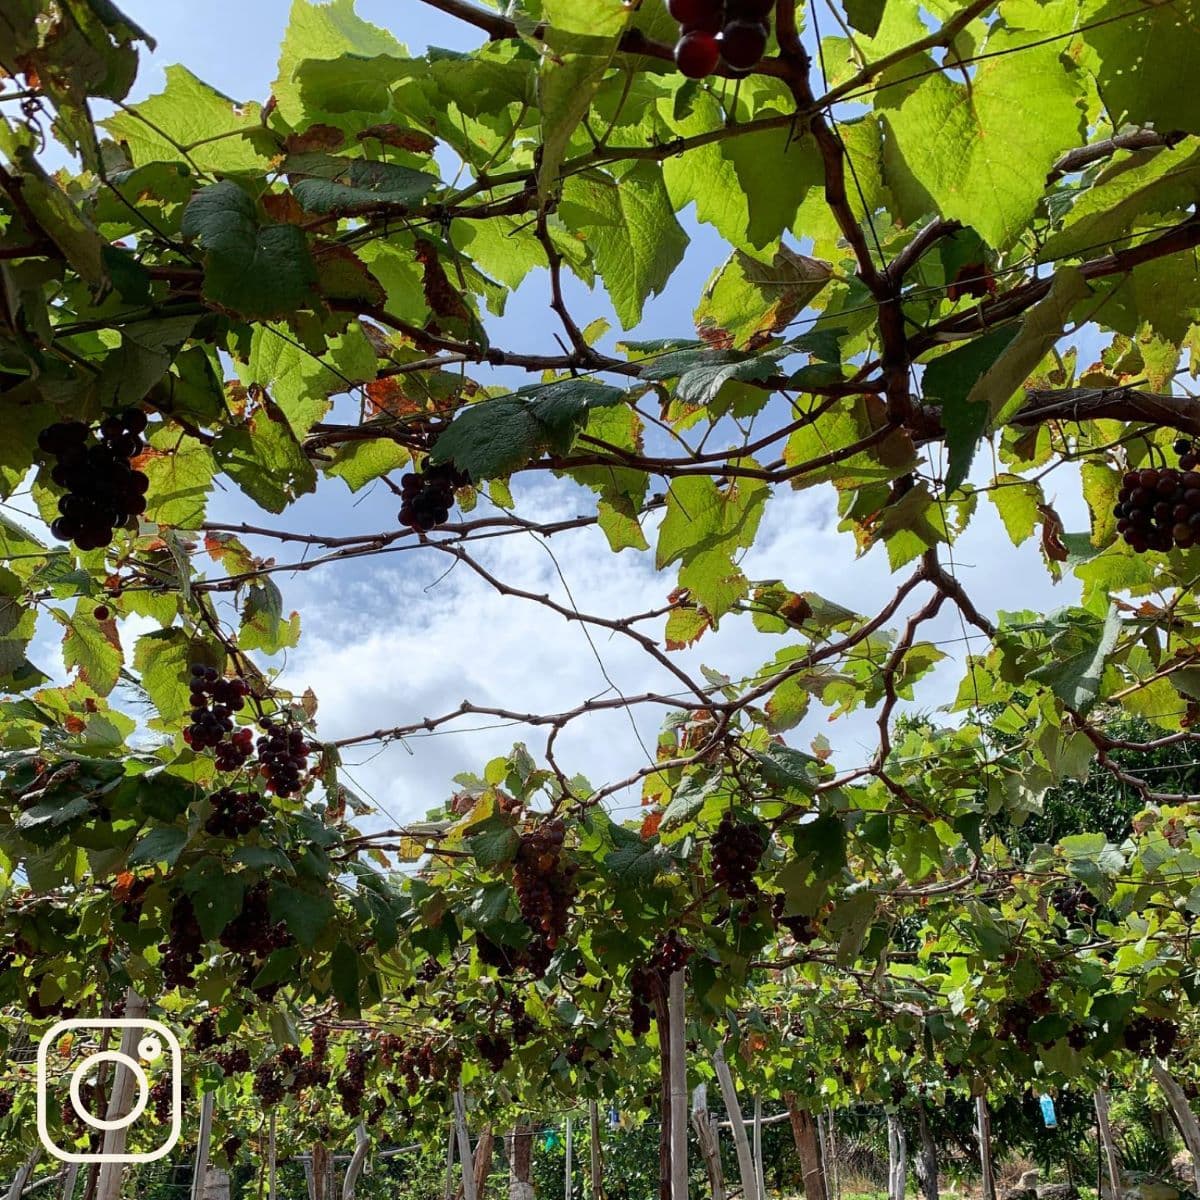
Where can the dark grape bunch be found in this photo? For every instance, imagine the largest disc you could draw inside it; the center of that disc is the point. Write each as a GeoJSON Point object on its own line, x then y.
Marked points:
{"type": "Point", "coordinates": [283, 754]}
{"type": "Point", "coordinates": [737, 848]}
{"type": "Point", "coordinates": [183, 951]}
{"type": "Point", "coordinates": [233, 1062]}
{"type": "Point", "coordinates": [268, 1083]}
{"type": "Point", "coordinates": [253, 931]}
{"type": "Point", "coordinates": [234, 814]}
{"type": "Point", "coordinates": [671, 953]}
{"type": "Point", "coordinates": [429, 496]}
{"type": "Point", "coordinates": [711, 32]}
{"type": "Point", "coordinates": [545, 886]}
{"type": "Point", "coordinates": [352, 1081]}
{"type": "Point", "coordinates": [1159, 508]}
{"type": "Point", "coordinates": [1145, 1034]}
{"type": "Point", "coordinates": [494, 1049]}
{"type": "Point", "coordinates": [642, 980]}
{"type": "Point", "coordinates": [214, 701]}
{"type": "Point", "coordinates": [204, 1035]}
{"type": "Point", "coordinates": [102, 490]}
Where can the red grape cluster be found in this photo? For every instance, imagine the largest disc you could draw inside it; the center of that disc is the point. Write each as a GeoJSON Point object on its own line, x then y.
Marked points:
{"type": "Point", "coordinates": [230, 1148]}
{"type": "Point", "coordinates": [283, 753]}
{"type": "Point", "coordinates": [494, 1049]}
{"type": "Point", "coordinates": [733, 32]}
{"type": "Point", "coordinates": [268, 1083]}
{"type": "Point", "coordinates": [1159, 509]}
{"type": "Point", "coordinates": [424, 1062]}
{"type": "Point", "coordinates": [1143, 1034]}
{"type": "Point", "coordinates": [102, 489]}
{"type": "Point", "coordinates": [671, 953]}
{"type": "Point", "coordinates": [352, 1081]}
{"type": "Point", "coordinates": [7, 1099]}
{"type": "Point", "coordinates": [737, 849]}
{"type": "Point", "coordinates": [253, 931]}
{"type": "Point", "coordinates": [204, 1035]}
{"type": "Point", "coordinates": [214, 701]}
{"type": "Point", "coordinates": [162, 1098]}
{"type": "Point", "coordinates": [233, 1062]}
{"type": "Point", "coordinates": [234, 814]}
{"type": "Point", "coordinates": [803, 929]}
{"type": "Point", "coordinates": [545, 886]}
{"type": "Point", "coordinates": [429, 496]}
{"type": "Point", "coordinates": [523, 1025]}
{"type": "Point", "coordinates": [183, 951]}
{"type": "Point", "coordinates": [642, 981]}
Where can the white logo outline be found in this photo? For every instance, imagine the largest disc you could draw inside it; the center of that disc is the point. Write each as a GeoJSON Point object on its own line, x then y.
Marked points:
{"type": "Point", "coordinates": [148, 1027]}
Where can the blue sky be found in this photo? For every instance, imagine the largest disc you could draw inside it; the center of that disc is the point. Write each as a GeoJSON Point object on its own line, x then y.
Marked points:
{"type": "Point", "coordinates": [394, 639]}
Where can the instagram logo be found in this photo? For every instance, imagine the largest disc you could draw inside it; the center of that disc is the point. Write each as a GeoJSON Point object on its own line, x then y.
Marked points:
{"type": "Point", "coordinates": [143, 1044]}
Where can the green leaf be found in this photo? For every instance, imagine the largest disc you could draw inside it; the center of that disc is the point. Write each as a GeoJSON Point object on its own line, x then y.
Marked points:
{"type": "Point", "coordinates": [263, 457]}
{"type": "Point", "coordinates": [344, 977]}
{"type": "Point", "coordinates": [629, 227]}
{"type": "Point", "coordinates": [775, 169]}
{"type": "Point", "coordinates": [216, 895]}
{"type": "Point", "coordinates": [264, 626]}
{"type": "Point", "coordinates": [358, 463]}
{"type": "Point", "coordinates": [324, 31]}
{"type": "Point", "coordinates": [496, 436]}
{"type": "Point", "coordinates": [998, 388]}
{"type": "Point", "coordinates": [163, 844]}
{"type": "Point", "coordinates": [180, 470]}
{"type": "Point", "coordinates": [163, 659]}
{"type": "Point", "coordinates": [258, 272]}
{"type": "Point", "coordinates": [746, 301]}
{"type": "Point", "coordinates": [949, 380]}
{"type": "Point", "coordinates": [493, 842]}
{"type": "Point", "coordinates": [93, 647]}
{"type": "Point", "coordinates": [865, 15]}
{"type": "Point", "coordinates": [702, 517]}
{"type": "Point", "coordinates": [218, 133]}
{"type": "Point", "coordinates": [973, 147]}
{"type": "Point", "coordinates": [1080, 646]}
{"type": "Point", "coordinates": [1146, 54]}
{"type": "Point", "coordinates": [304, 913]}
{"type": "Point", "coordinates": [323, 183]}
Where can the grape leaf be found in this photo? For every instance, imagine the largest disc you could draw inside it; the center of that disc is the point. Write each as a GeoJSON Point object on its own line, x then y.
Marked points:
{"type": "Point", "coordinates": [257, 271]}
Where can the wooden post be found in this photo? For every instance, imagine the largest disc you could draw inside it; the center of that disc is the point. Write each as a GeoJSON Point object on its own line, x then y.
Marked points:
{"type": "Point", "coordinates": [677, 1025]}
{"type": "Point", "coordinates": [567, 1164]}
{"type": "Point", "coordinates": [25, 1174]}
{"type": "Point", "coordinates": [464, 1145]}
{"type": "Point", "coordinates": [897, 1158]}
{"type": "Point", "coordinates": [520, 1163]}
{"type": "Point", "coordinates": [833, 1178]}
{"type": "Point", "coordinates": [1181, 1110]}
{"type": "Point", "coordinates": [203, 1143]}
{"type": "Point", "coordinates": [69, 1180]}
{"type": "Point", "coordinates": [358, 1160]}
{"type": "Point", "coordinates": [271, 1159]}
{"type": "Point", "coordinates": [597, 1157]}
{"type": "Point", "coordinates": [1100, 1099]}
{"type": "Point", "coordinates": [741, 1143]}
{"type": "Point", "coordinates": [448, 1188]}
{"type": "Point", "coordinates": [927, 1160]}
{"type": "Point", "coordinates": [709, 1140]}
{"type": "Point", "coordinates": [804, 1133]}
{"type": "Point", "coordinates": [120, 1101]}
{"type": "Point", "coordinates": [983, 1131]}
{"type": "Point", "coordinates": [760, 1178]}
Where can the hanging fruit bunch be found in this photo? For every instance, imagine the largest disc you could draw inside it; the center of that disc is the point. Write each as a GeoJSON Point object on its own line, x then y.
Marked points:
{"type": "Point", "coordinates": [715, 32]}
{"type": "Point", "coordinates": [1159, 509]}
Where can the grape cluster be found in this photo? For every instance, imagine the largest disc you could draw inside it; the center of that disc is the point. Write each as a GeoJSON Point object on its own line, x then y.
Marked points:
{"type": "Point", "coordinates": [230, 1148]}
{"type": "Point", "coordinates": [352, 1081]}
{"type": "Point", "coordinates": [204, 1035]}
{"type": "Point", "coordinates": [642, 979]}
{"type": "Point", "coordinates": [183, 950]}
{"type": "Point", "coordinates": [161, 1100]}
{"type": "Point", "coordinates": [1142, 1034]}
{"type": "Point", "coordinates": [214, 700]}
{"type": "Point", "coordinates": [102, 489]}
{"type": "Point", "coordinates": [545, 886]}
{"type": "Point", "coordinates": [523, 1025]}
{"type": "Point", "coordinates": [1159, 509]}
{"type": "Point", "coordinates": [283, 754]}
{"type": "Point", "coordinates": [233, 1062]}
{"type": "Point", "coordinates": [429, 496]}
{"type": "Point", "coordinates": [234, 814]}
{"type": "Point", "coordinates": [494, 1049]}
{"type": "Point", "coordinates": [803, 929]}
{"type": "Point", "coordinates": [737, 849]}
{"type": "Point", "coordinates": [733, 32]}
{"type": "Point", "coordinates": [671, 953]}
{"type": "Point", "coordinates": [253, 931]}
{"type": "Point", "coordinates": [7, 1099]}
{"type": "Point", "coordinates": [268, 1083]}
{"type": "Point", "coordinates": [425, 1062]}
